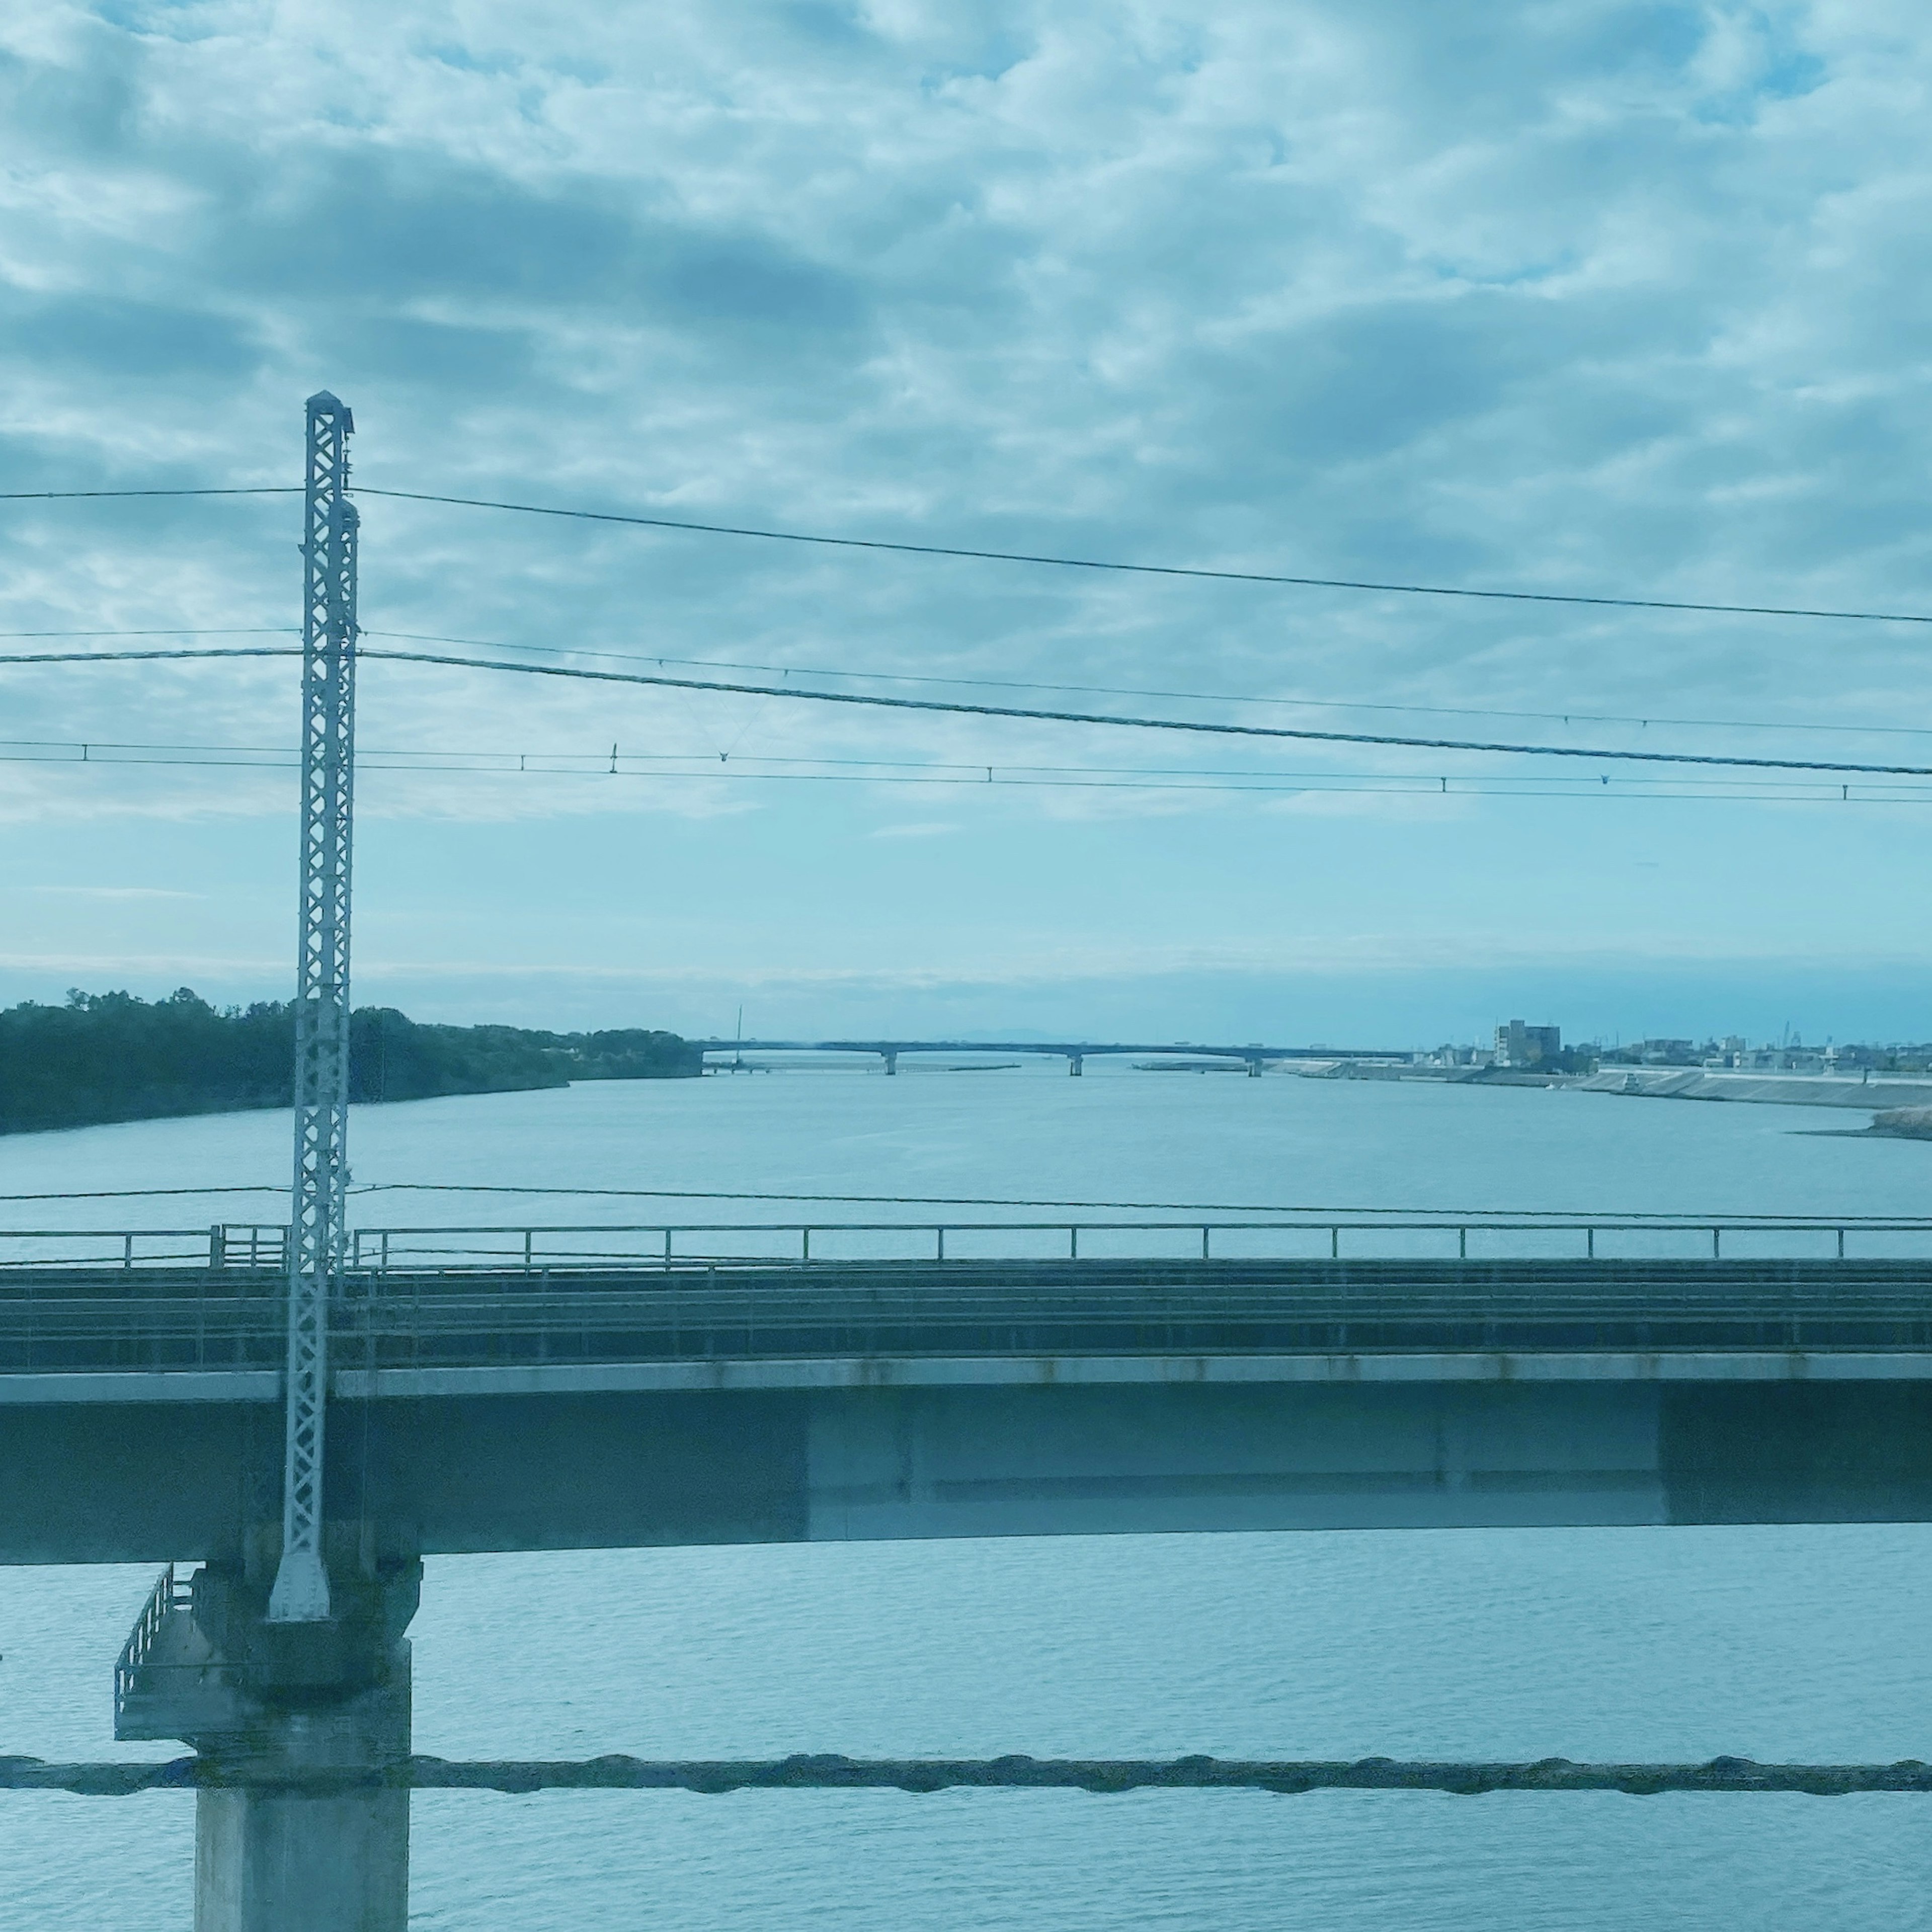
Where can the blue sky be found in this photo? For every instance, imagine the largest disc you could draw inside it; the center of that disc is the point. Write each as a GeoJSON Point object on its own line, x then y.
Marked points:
{"type": "Point", "coordinates": [1591, 297]}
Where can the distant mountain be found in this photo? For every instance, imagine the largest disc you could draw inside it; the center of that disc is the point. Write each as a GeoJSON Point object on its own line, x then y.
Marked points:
{"type": "Point", "coordinates": [107, 1056]}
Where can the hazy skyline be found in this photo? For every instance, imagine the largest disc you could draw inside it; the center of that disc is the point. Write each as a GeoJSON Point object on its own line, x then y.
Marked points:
{"type": "Point", "coordinates": [1589, 297]}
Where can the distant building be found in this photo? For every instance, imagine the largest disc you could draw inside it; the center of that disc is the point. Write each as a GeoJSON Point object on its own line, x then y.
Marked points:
{"type": "Point", "coordinates": [1520, 1046]}
{"type": "Point", "coordinates": [1667, 1053]}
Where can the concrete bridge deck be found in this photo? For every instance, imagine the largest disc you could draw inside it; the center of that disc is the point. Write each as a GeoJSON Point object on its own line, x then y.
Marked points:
{"type": "Point", "coordinates": [95, 1334]}
{"type": "Point", "coordinates": [571, 1405]}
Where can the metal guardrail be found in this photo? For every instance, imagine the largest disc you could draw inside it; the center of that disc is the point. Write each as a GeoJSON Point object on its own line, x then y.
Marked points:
{"type": "Point", "coordinates": [487, 1307]}
{"type": "Point", "coordinates": [170, 1593]}
{"type": "Point", "coordinates": [227, 1244]}
{"type": "Point", "coordinates": [644, 1245]}
{"type": "Point", "coordinates": [258, 1247]}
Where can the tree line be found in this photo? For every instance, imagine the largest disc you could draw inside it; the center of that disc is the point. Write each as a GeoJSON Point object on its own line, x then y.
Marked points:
{"type": "Point", "coordinates": [106, 1057]}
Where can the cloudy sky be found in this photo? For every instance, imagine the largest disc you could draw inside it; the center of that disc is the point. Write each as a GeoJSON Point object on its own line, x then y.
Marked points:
{"type": "Point", "coordinates": [1575, 296]}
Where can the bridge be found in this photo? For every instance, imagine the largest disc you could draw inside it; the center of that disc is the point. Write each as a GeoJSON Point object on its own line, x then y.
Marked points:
{"type": "Point", "coordinates": [306, 1411]}
{"type": "Point", "coordinates": [1076, 1053]}
{"type": "Point", "coordinates": [509, 1388]}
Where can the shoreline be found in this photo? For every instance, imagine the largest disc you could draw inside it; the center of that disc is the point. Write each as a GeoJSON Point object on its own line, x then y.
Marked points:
{"type": "Point", "coordinates": [1906, 1099]}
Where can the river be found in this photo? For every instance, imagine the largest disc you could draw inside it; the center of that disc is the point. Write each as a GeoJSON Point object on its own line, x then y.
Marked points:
{"type": "Point", "coordinates": [1773, 1643]}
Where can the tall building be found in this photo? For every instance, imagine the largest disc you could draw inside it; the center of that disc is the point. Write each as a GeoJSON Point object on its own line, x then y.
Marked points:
{"type": "Point", "coordinates": [1520, 1046]}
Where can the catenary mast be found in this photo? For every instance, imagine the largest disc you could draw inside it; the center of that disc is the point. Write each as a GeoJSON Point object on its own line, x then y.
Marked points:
{"type": "Point", "coordinates": [317, 1219]}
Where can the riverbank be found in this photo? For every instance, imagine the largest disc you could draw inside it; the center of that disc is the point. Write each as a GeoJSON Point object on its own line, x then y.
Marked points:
{"type": "Point", "coordinates": [1668, 1083]}
{"type": "Point", "coordinates": [107, 1057]}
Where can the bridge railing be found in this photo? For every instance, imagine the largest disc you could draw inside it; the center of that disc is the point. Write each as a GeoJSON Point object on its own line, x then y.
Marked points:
{"type": "Point", "coordinates": [224, 1245]}
{"type": "Point", "coordinates": [259, 1249]}
{"type": "Point", "coordinates": [534, 1248]}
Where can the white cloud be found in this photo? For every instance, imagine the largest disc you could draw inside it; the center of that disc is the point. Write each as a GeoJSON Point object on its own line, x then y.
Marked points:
{"type": "Point", "coordinates": [1586, 296]}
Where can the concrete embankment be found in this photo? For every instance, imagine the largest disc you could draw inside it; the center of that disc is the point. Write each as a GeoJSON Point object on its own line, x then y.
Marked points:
{"type": "Point", "coordinates": [1684, 1083]}
{"type": "Point", "coordinates": [1904, 1107]}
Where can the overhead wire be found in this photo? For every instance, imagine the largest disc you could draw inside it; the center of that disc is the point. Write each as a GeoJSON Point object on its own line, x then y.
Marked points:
{"type": "Point", "coordinates": [1279, 732]}
{"type": "Point", "coordinates": [908, 677]}
{"type": "Point", "coordinates": [1151, 569]}
{"type": "Point", "coordinates": [98, 753]}
{"type": "Point", "coordinates": [972, 553]}
{"type": "Point", "coordinates": [1317, 1209]}
{"type": "Point", "coordinates": [1145, 691]}
{"type": "Point", "coordinates": [173, 631]}
{"type": "Point", "coordinates": [954, 707]}
{"type": "Point", "coordinates": [75, 496]}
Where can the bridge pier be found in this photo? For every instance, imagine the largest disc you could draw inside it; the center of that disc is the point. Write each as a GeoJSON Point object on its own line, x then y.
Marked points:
{"type": "Point", "coordinates": [892, 1059]}
{"type": "Point", "coordinates": [305, 1727]}
{"type": "Point", "coordinates": [1073, 1065]}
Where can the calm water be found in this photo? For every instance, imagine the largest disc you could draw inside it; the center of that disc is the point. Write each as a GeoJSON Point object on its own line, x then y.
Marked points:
{"type": "Point", "coordinates": [1793, 1643]}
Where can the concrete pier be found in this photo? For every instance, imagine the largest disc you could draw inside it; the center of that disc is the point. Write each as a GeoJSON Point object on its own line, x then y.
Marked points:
{"type": "Point", "coordinates": [306, 1727]}
{"type": "Point", "coordinates": [310, 1838]}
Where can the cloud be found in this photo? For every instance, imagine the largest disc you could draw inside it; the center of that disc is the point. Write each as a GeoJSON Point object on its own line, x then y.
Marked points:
{"type": "Point", "coordinates": [1593, 296]}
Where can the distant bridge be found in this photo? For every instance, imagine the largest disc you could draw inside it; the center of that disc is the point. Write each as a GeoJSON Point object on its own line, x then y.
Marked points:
{"type": "Point", "coordinates": [1074, 1052]}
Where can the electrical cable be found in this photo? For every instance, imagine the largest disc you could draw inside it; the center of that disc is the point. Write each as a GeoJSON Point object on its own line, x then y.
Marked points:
{"type": "Point", "coordinates": [181, 630]}
{"type": "Point", "coordinates": [1024, 684]}
{"type": "Point", "coordinates": [1155, 569]}
{"type": "Point", "coordinates": [150, 657]}
{"type": "Point", "coordinates": [1566, 1216]}
{"type": "Point", "coordinates": [878, 701]}
{"type": "Point", "coordinates": [984, 779]}
{"type": "Point", "coordinates": [669, 764]}
{"type": "Point", "coordinates": [140, 1193]}
{"type": "Point", "coordinates": [1297, 734]}
{"type": "Point", "coordinates": [1390, 588]}
{"type": "Point", "coordinates": [75, 496]}
{"type": "Point", "coordinates": [1141, 690]}
{"type": "Point", "coordinates": [188, 655]}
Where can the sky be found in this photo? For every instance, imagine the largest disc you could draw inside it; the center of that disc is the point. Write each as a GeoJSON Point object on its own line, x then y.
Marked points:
{"type": "Point", "coordinates": [1577, 297]}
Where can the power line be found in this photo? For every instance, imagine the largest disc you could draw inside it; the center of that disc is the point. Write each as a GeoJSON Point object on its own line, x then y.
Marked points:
{"type": "Point", "coordinates": [134, 1194]}
{"type": "Point", "coordinates": [873, 700]}
{"type": "Point", "coordinates": [1568, 1217]}
{"type": "Point", "coordinates": [491, 762]}
{"type": "Point", "coordinates": [149, 657]}
{"type": "Point", "coordinates": [1158, 569]}
{"type": "Point", "coordinates": [1144, 690]}
{"type": "Point", "coordinates": [1196, 572]}
{"type": "Point", "coordinates": [181, 630]}
{"type": "Point", "coordinates": [1291, 733]}
{"type": "Point", "coordinates": [598, 767]}
{"type": "Point", "coordinates": [77, 496]}
{"type": "Point", "coordinates": [975, 683]}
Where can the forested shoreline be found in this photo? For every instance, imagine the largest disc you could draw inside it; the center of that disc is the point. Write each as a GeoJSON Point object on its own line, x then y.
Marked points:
{"type": "Point", "coordinates": [107, 1056]}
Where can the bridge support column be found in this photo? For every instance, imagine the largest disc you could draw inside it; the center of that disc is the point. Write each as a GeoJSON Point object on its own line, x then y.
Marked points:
{"type": "Point", "coordinates": [1254, 1069]}
{"type": "Point", "coordinates": [312, 1835]}
{"type": "Point", "coordinates": [892, 1060]}
{"type": "Point", "coordinates": [1073, 1065]}
{"type": "Point", "coordinates": [305, 1729]}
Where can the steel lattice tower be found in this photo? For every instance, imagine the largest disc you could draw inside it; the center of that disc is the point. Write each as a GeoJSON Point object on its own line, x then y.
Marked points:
{"type": "Point", "coordinates": [317, 1219]}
